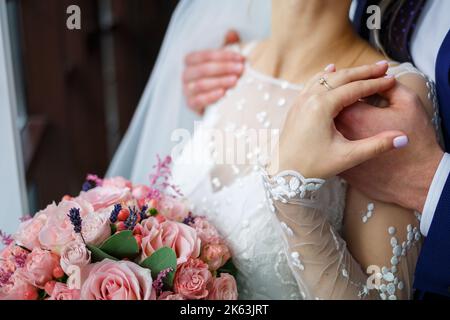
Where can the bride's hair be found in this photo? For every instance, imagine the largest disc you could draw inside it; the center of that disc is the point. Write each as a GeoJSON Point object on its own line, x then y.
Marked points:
{"type": "Point", "coordinates": [399, 18]}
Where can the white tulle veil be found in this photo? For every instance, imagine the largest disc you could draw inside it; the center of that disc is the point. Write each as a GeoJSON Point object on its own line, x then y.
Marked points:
{"type": "Point", "coordinates": [195, 25]}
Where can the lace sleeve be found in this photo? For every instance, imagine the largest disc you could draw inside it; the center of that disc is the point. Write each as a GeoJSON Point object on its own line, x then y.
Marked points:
{"type": "Point", "coordinates": [318, 256]}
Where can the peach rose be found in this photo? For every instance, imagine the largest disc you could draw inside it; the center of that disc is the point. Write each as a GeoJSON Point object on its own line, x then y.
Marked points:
{"type": "Point", "coordinates": [192, 280]}
{"type": "Point", "coordinates": [38, 269]}
{"type": "Point", "coordinates": [178, 236]}
{"type": "Point", "coordinates": [167, 295]}
{"type": "Point", "coordinates": [63, 292]}
{"type": "Point", "coordinates": [105, 196]}
{"type": "Point", "coordinates": [117, 280]}
{"type": "Point", "coordinates": [215, 255]}
{"type": "Point", "coordinates": [117, 182]}
{"type": "Point", "coordinates": [223, 288]}
{"type": "Point", "coordinates": [206, 231]}
{"type": "Point", "coordinates": [28, 233]}
{"type": "Point", "coordinates": [18, 289]}
{"type": "Point", "coordinates": [74, 254]}
{"type": "Point", "coordinates": [58, 230]}
{"type": "Point", "coordinates": [96, 228]}
{"type": "Point", "coordinates": [173, 209]}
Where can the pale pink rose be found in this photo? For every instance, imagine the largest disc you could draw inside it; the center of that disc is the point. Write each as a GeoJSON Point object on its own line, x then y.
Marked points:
{"type": "Point", "coordinates": [178, 236]}
{"type": "Point", "coordinates": [223, 288]}
{"type": "Point", "coordinates": [38, 269]}
{"type": "Point", "coordinates": [105, 196]}
{"type": "Point", "coordinates": [168, 295]}
{"type": "Point", "coordinates": [215, 255]}
{"type": "Point", "coordinates": [192, 280]}
{"type": "Point", "coordinates": [150, 226]}
{"type": "Point", "coordinates": [74, 254]}
{"type": "Point", "coordinates": [12, 258]}
{"type": "Point", "coordinates": [206, 231]}
{"type": "Point", "coordinates": [96, 228]}
{"type": "Point", "coordinates": [173, 209]}
{"type": "Point", "coordinates": [18, 289]}
{"type": "Point", "coordinates": [63, 292]}
{"type": "Point", "coordinates": [140, 193]}
{"type": "Point", "coordinates": [117, 280]}
{"type": "Point", "coordinates": [28, 233]}
{"type": "Point", "coordinates": [117, 182]}
{"type": "Point", "coordinates": [58, 230]}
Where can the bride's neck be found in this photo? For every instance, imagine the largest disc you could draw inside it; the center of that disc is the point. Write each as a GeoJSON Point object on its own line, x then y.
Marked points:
{"type": "Point", "coordinates": [308, 35]}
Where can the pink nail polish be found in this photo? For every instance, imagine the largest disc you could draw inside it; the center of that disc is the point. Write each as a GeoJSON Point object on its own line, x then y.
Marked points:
{"type": "Point", "coordinates": [388, 76]}
{"type": "Point", "coordinates": [382, 62]}
{"type": "Point", "coordinates": [401, 142]}
{"type": "Point", "coordinates": [329, 67]}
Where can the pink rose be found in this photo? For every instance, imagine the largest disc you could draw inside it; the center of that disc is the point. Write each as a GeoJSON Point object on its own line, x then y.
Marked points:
{"type": "Point", "coordinates": [173, 209]}
{"type": "Point", "coordinates": [74, 254]}
{"type": "Point", "coordinates": [96, 228]}
{"type": "Point", "coordinates": [16, 288]}
{"type": "Point", "coordinates": [63, 292]}
{"type": "Point", "coordinates": [38, 269]}
{"type": "Point", "coordinates": [140, 193]}
{"type": "Point", "coordinates": [178, 236]}
{"type": "Point", "coordinates": [206, 231]}
{"type": "Point", "coordinates": [58, 230]}
{"type": "Point", "coordinates": [192, 279]}
{"type": "Point", "coordinates": [105, 196]}
{"type": "Point", "coordinates": [28, 233]}
{"type": "Point", "coordinates": [117, 280]}
{"type": "Point", "coordinates": [223, 288]}
{"type": "Point", "coordinates": [167, 295]}
{"type": "Point", "coordinates": [215, 255]}
{"type": "Point", "coordinates": [117, 182]}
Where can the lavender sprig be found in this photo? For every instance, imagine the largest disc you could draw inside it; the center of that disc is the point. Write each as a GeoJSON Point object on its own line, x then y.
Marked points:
{"type": "Point", "coordinates": [158, 284]}
{"type": "Point", "coordinates": [132, 219]}
{"type": "Point", "coordinates": [189, 220]}
{"type": "Point", "coordinates": [143, 212]}
{"type": "Point", "coordinates": [115, 213]}
{"type": "Point", "coordinates": [75, 219]}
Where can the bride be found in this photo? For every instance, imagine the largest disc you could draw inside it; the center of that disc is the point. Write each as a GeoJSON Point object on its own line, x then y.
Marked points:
{"type": "Point", "coordinates": [330, 241]}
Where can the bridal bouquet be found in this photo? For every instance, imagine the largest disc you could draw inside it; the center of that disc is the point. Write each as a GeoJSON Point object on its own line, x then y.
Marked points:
{"type": "Point", "coordinates": [116, 240]}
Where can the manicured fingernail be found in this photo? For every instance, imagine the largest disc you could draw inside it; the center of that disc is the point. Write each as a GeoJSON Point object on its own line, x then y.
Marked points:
{"type": "Point", "coordinates": [382, 62]}
{"type": "Point", "coordinates": [401, 142]}
{"type": "Point", "coordinates": [329, 67]}
{"type": "Point", "coordinates": [389, 76]}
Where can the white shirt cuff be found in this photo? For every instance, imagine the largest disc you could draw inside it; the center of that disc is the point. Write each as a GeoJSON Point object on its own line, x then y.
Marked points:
{"type": "Point", "coordinates": [434, 194]}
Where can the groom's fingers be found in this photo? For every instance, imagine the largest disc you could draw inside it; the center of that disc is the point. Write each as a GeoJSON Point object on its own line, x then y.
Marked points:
{"type": "Point", "coordinates": [209, 84]}
{"type": "Point", "coordinates": [216, 55]}
{"type": "Point", "coordinates": [364, 150]}
{"type": "Point", "coordinates": [350, 93]}
{"type": "Point", "coordinates": [212, 69]}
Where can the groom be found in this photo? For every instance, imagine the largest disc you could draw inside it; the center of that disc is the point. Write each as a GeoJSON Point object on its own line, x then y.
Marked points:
{"type": "Point", "coordinates": [419, 177]}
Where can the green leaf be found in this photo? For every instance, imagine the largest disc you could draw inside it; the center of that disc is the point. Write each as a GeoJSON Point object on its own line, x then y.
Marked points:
{"type": "Point", "coordinates": [98, 255]}
{"type": "Point", "coordinates": [228, 267]}
{"type": "Point", "coordinates": [160, 260]}
{"type": "Point", "coordinates": [121, 245]}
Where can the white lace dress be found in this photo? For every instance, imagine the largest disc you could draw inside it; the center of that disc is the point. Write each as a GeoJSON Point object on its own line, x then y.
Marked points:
{"type": "Point", "coordinates": [218, 172]}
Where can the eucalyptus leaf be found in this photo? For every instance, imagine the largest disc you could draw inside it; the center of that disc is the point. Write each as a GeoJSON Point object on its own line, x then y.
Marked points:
{"type": "Point", "coordinates": [121, 245]}
{"type": "Point", "coordinates": [98, 255]}
{"type": "Point", "coordinates": [160, 260]}
{"type": "Point", "coordinates": [229, 268]}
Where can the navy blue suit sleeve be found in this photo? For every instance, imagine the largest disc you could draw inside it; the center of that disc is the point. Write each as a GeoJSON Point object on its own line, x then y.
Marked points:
{"type": "Point", "coordinates": [433, 267]}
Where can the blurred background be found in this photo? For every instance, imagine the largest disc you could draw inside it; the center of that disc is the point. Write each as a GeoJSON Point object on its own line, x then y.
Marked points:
{"type": "Point", "coordinates": [75, 91]}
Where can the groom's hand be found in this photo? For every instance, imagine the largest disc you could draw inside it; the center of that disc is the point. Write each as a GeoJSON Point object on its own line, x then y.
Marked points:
{"type": "Point", "coordinates": [403, 177]}
{"type": "Point", "coordinates": [210, 73]}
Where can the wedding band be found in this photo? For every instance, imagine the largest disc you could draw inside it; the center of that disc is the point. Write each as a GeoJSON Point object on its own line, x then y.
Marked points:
{"type": "Point", "coordinates": [325, 83]}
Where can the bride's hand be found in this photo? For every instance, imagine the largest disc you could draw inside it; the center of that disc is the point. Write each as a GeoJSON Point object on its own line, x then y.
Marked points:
{"type": "Point", "coordinates": [309, 142]}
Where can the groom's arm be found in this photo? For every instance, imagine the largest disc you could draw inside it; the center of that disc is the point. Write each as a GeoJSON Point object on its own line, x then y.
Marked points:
{"type": "Point", "coordinates": [432, 270]}
{"type": "Point", "coordinates": [417, 178]}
